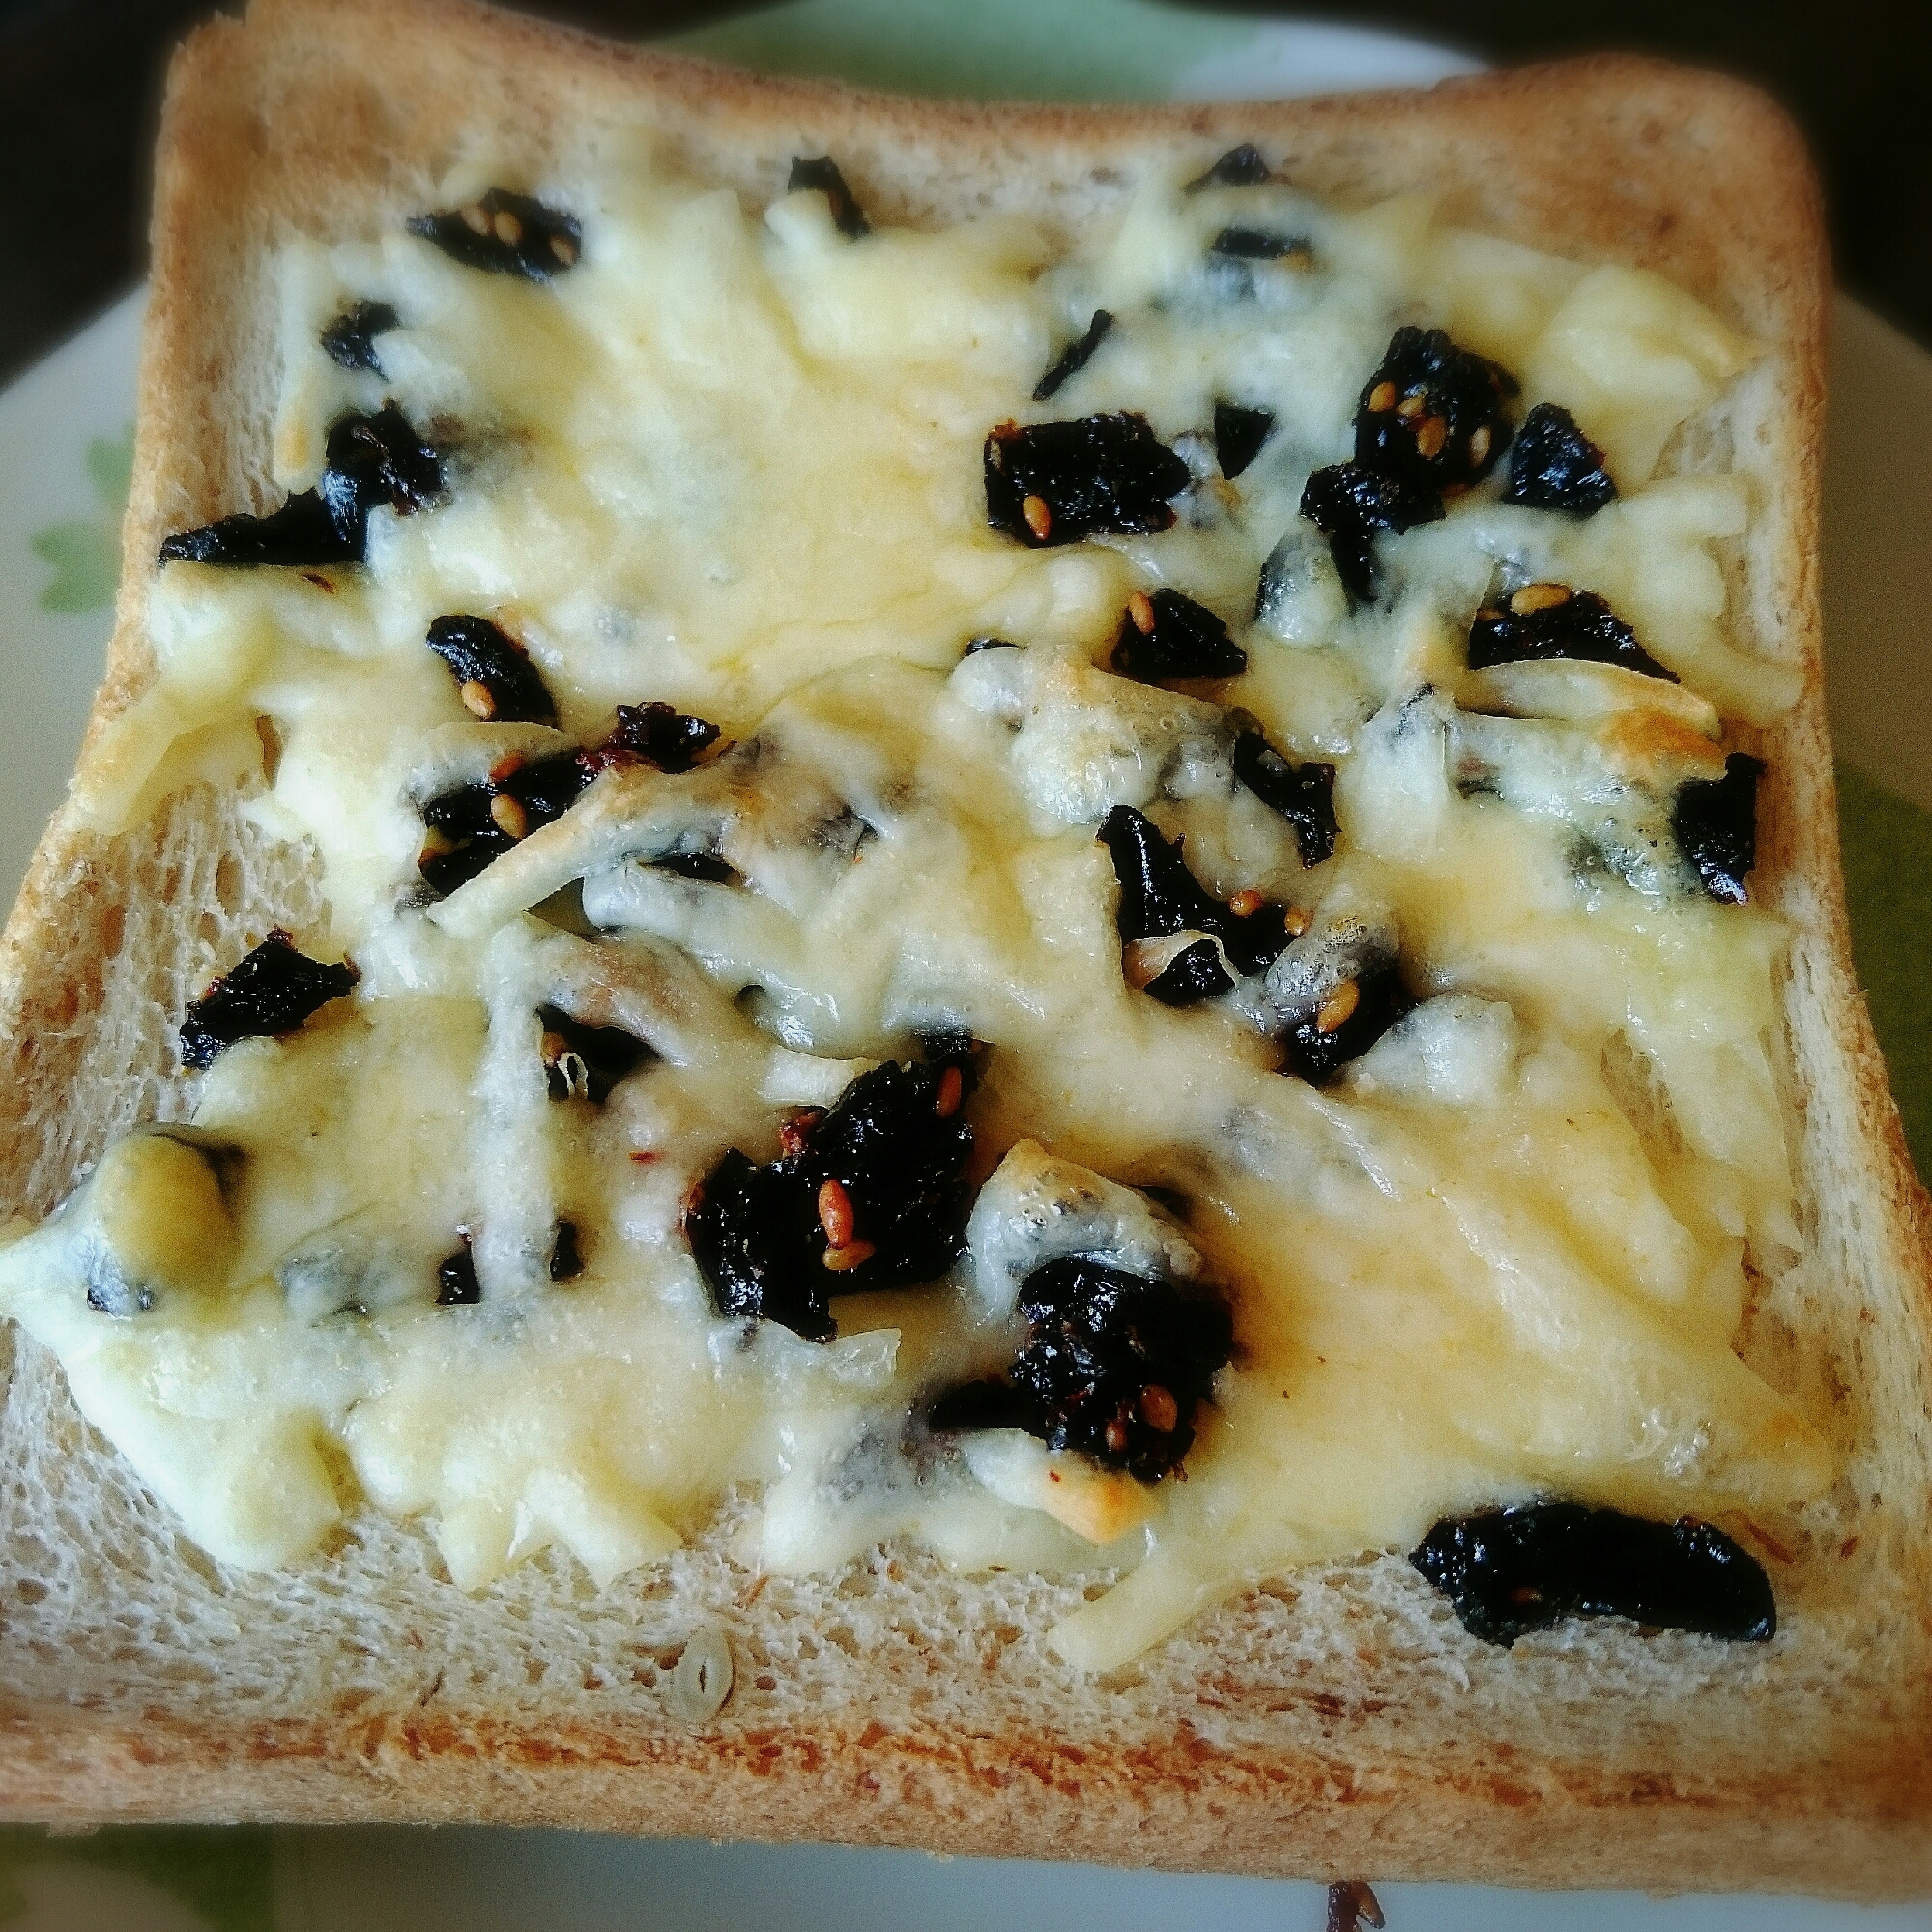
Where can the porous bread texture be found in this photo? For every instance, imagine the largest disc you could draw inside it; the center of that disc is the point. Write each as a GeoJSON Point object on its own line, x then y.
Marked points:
{"type": "Point", "coordinates": [1330, 1723]}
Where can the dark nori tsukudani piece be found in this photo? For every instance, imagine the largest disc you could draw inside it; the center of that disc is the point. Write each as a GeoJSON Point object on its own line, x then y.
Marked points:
{"type": "Point", "coordinates": [369, 462]}
{"type": "Point", "coordinates": [1099, 475]}
{"type": "Point", "coordinates": [1187, 641]}
{"type": "Point", "coordinates": [1239, 167]}
{"type": "Point", "coordinates": [707, 867]}
{"type": "Point", "coordinates": [456, 1284]}
{"type": "Point", "coordinates": [1109, 1360]}
{"type": "Point", "coordinates": [566, 1259]}
{"type": "Point", "coordinates": [1580, 625]}
{"type": "Point", "coordinates": [1514, 1570]}
{"type": "Point", "coordinates": [1074, 357]}
{"type": "Point", "coordinates": [1194, 974]}
{"type": "Point", "coordinates": [656, 734]}
{"type": "Point", "coordinates": [271, 990]}
{"type": "Point", "coordinates": [756, 1234]}
{"type": "Point", "coordinates": [1433, 415]}
{"type": "Point", "coordinates": [478, 652]}
{"type": "Point", "coordinates": [1716, 827]}
{"type": "Point", "coordinates": [823, 176]}
{"type": "Point", "coordinates": [975, 645]}
{"type": "Point", "coordinates": [1256, 244]}
{"type": "Point", "coordinates": [1304, 795]}
{"type": "Point", "coordinates": [1553, 466]}
{"type": "Point", "coordinates": [1351, 506]}
{"type": "Point", "coordinates": [350, 341]}
{"type": "Point", "coordinates": [603, 1056]}
{"type": "Point", "coordinates": [1160, 897]}
{"type": "Point", "coordinates": [506, 234]}
{"type": "Point", "coordinates": [1239, 433]}
{"type": "Point", "coordinates": [1317, 1054]}
{"type": "Point", "coordinates": [466, 834]}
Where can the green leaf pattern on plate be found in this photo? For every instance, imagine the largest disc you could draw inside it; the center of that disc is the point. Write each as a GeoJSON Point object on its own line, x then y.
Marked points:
{"type": "Point", "coordinates": [85, 552]}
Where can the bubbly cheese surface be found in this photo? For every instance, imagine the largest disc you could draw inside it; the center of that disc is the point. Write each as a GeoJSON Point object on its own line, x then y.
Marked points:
{"type": "Point", "coordinates": [731, 461]}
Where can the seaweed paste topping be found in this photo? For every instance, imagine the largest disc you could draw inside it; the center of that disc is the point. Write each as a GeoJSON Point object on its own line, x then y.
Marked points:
{"type": "Point", "coordinates": [493, 672]}
{"type": "Point", "coordinates": [1511, 1572]}
{"type": "Point", "coordinates": [823, 177]}
{"type": "Point", "coordinates": [654, 734]}
{"type": "Point", "coordinates": [1057, 482]}
{"type": "Point", "coordinates": [1433, 415]}
{"type": "Point", "coordinates": [1553, 466]}
{"type": "Point", "coordinates": [271, 990]}
{"type": "Point", "coordinates": [1115, 1366]}
{"type": "Point", "coordinates": [1166, 635]}
{"type": "Point", "coordinates": [506, 234]}
{"type": "Point", "coordinates": [1239, 167]}
{"type": "Point", "coordinates": [371, 462]}
{"type": "Point", "coordinates": [1074, 357]}
{"type": "Point", "coordinates": [472, 826]}
{"type": "Point", "coordinates": [1351, 506]}
{"type": "Point", "coordinates": [870, 1194]}
{"type": "Point", "coordinates": [1239, 433]}
{"type": "Point", "coordinates": [350, 341]}
{"type": "Point", "coordinates": [1304, 795]}
{"type": "Point", "coordinates": [1716, 823]}
{"type": "Point", "coordinates": [585, 1062]}
{"type": "Point", "coordinates": [1550, 621]}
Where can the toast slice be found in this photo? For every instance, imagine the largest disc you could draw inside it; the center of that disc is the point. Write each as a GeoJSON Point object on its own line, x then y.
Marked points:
{"type": "Point", "coordinates": [1330, 1722]}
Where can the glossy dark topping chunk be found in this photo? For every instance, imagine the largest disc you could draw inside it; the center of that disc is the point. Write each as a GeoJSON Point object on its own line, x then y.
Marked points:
{"type": "Point", "coordinates": [871, 1195]}
{"type": "Point", "coordinates": [585, 1062]}
{"type": "Point", "coordinates": [566, 1258]}
{"type": "Point", "coordinates": [492, 669]}
{"type": "Point", "coordinates": [1304, 795]}
{"type": "Point", "coordinates": [656, 734]}
{"type": "Point", "coordinates": [271, 990]}
{"type": "Point", "coordinates": [1511, 1572]}
{"type": "Point", "coordinates": [1239, 167]}
{"type": "Point", "coordinates": [456, 1284]}
{"type": "Point", "coordinates": [1553, 466]}
{"type": "Point", "coordinates": [1194, 974]}
{"type": "Point", "coordinates": [506, 234]}
{"type": "Point", "coordinates": [823, 176]}
{"type": "Point", "coordinates": [1074, 357]}
{"type": "Point", "coordinates": [1716, 827]}
{"type": "Point", "coordinates": [1351, 506]}
{"type": "Point", "coordinates": [1115, 1366]}
{"type": "Point", "coordinates": [1239, 433]}
{"type": "Point", "coordinates": [1433, 415]}
{"type": "Point", "coordinates": [351, 338]}
{"type": "Point", "coordinates": [1057, 482]}
{"type": "Point", "coordinates": [1545, 622]}
{"type": "Point", "coordinates": [1258, 244]}
{"type": "Point", "coordinates": [1165, 636]}
{"type": "Point", "coordinates": [472, 826]}
{"type": "Point", "coordinates": [1318, 1044]}
{"type": "Point", "coordinates": [1160, 897]}
{"type": "Point", "coordinates": [370, 462]}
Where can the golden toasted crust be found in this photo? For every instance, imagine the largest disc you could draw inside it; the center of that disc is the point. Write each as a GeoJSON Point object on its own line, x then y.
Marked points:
{"type": "Point", "coordinates": [1331, 1725]}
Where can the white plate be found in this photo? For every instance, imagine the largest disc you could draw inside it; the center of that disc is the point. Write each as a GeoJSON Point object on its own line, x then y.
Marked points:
{"type": "Point", "coordinates": [1879, 590]}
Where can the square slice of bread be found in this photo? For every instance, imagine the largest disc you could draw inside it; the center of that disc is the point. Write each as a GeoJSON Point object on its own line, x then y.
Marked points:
{"type": "Point", "coordinates": [1333, 1722]}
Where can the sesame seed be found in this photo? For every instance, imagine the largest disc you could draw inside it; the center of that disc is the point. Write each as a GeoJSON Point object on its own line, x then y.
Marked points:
{"type": "Point", "coordinates": [476, 217]}
{"type": "Point", "coordinates": [853, 1254]}
{"type": "Point", "coordinates": [478, 700]}
{"type": "Point", "coordinates": [1411, 407]}
{"type": "Point", "coordinates": [1140, 608]}
{"type": "Point", "coordinates": [1430, 436]}
{"type": "Point", "coordinates": [1158, 1408]}
{"type": "Point", "coordinates": [564, 249]}
{"type": "Point", "coordinates": [1296, 921]}
{"type": "Point", "coordinates": [952, 1090]}
{"type": "Point", "coordinates": [506, 767]}
{"type": "Point", "coordinates": [1338, 1008]}
{"type": "Point", "coordinates": [1479, 442]}
{"type": "Point", "coordinates": [508, 817]}
{"type": "Point", "coordinates": [509, 230]}
{"type": "Point", "coordinates": [835, 1213]}
{"type": "Point", "coordinates": [1534, 597]}
{"type": "Point", "coordinates": [1116, 1436]}
{"type": "Point", "coordinates": [1382, 397]}
{"type": "Point", "coordinates": [1246, 902]}
{"type": "Point", "coordinates": [1039, 518]}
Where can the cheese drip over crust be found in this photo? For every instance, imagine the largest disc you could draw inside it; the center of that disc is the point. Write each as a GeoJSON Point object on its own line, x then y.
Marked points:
{"type": "Point", "coordinates": [731, 461]}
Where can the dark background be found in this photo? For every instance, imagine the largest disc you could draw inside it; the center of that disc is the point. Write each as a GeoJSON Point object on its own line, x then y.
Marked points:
{"type": "Point", "coordinates": [81, 79]}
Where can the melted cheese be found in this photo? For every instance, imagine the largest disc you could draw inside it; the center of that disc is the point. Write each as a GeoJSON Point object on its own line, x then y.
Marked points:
{"type": "Point", "coordinates": [732, 461]}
